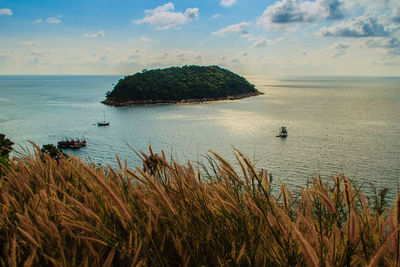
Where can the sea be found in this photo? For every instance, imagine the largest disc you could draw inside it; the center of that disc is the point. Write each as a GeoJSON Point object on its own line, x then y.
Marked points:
{"type": "Point", "coordinates": [336, 125]}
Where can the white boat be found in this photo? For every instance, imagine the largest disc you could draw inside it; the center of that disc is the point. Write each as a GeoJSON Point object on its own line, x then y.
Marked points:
{"type": "Point", "coordinates": [104, 122]}
{"type": "Point", "coordinates": [283, 132]}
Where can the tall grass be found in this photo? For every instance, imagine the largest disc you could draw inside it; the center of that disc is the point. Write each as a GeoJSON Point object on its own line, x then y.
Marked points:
{"type": "Point", "coordinates": [69, 213]}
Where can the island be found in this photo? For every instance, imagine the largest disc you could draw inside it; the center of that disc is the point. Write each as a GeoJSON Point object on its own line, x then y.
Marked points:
{"type": "Point", "coordinates": [187, 84]}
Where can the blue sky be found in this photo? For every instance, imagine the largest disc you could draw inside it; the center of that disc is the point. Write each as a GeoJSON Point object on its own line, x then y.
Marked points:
{"type": "Point", "coordinates": [252, 37]}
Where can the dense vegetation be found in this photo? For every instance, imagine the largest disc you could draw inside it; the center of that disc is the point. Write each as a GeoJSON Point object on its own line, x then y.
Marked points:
{"type": "Point", "coordinates": [177, 84]}
{"type": "Point", "coordinates": [5, 149]}
{"type": "Point", "coordinates": [64, 212]}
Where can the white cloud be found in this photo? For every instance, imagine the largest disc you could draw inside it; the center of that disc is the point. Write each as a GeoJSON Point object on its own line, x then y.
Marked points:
{"type": "Point", "coordinates": [246, 34]}
{"type": "Point", "coordinates": [392, 42]}
{"type": "Point", "coordinates": [390, 8]}
{"type": "Point", "coordinates": [339, 49]}
{"type": "Point", "coordinates": [145, 39]}
{"type": "Point", "coordinates": [39, 53]}
{"type": "Point", "coordinates": [99, 34]}
{"type": "Point", "coordinates": [262, 42]}
{"type": "Point", "coordinates": [239, 28]}
{"type": "Point", "coordinates": [391, 45]}
{"type": "Point", "coordinates": [30, 43]}
{"type": "Point", "coordinates": [363, 26]}
{"type": "Point", "coordinates": [5, 11]}
{"type": "Point", "coordinates": [37, 21]}
{"type": "Point", "coordinates": [227, 3]}
{"type": "Point", "coordinates": [395, 7]}
{"type": "Point", "coordinates": [341, 46]}
{"type": "Point", "coordinates": [216, 16]}
{"type": "Point", "coordinates": [54, 20]}
{"type": "Point", "coordinates": [164, 17]}
{"type": "Point", "coordinates": [286, 12]}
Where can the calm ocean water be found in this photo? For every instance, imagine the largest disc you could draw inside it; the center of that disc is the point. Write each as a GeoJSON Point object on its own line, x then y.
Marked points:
{"type": "Point", "coordinates": [335, 124]}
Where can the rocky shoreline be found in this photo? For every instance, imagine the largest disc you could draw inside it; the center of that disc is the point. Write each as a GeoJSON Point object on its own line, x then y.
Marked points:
{"type": "Point", "coordinates": [185, 101]}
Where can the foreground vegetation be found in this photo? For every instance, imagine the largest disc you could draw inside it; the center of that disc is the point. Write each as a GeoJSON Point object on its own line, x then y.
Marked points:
{"type": "Point", "coordinates": [62, 211]}
{"type": "Point", "coordinates": [175, 84]}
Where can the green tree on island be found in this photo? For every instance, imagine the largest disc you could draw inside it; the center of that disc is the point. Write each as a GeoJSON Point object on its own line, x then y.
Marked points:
{"type": "Point", "coordinates": [175, 84]}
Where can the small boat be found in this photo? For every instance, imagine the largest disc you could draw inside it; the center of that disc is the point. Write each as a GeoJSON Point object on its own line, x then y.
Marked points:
{"type": "Point", "coordinates": [283, 132]}
{"type": "Point", "coordinates": [104, 122]}
{"type": "Point", "coordinates": [71, 143]}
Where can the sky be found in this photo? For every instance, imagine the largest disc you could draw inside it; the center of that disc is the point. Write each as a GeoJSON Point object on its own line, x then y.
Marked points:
{"type": "Point", "coordinates": [250, 37]}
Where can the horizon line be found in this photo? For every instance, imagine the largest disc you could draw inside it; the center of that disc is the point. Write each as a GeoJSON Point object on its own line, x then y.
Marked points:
{"type": "Point", "coordinates": [250, 75]}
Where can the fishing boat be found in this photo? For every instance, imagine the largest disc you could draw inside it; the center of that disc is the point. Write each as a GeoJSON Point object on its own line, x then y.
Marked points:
{"type": "Point", "coordinates": [104, 122]}
{"type": "Point", "coordinates": [283, 132]}
{"type": "Point", "coordinates": [71, 143]}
